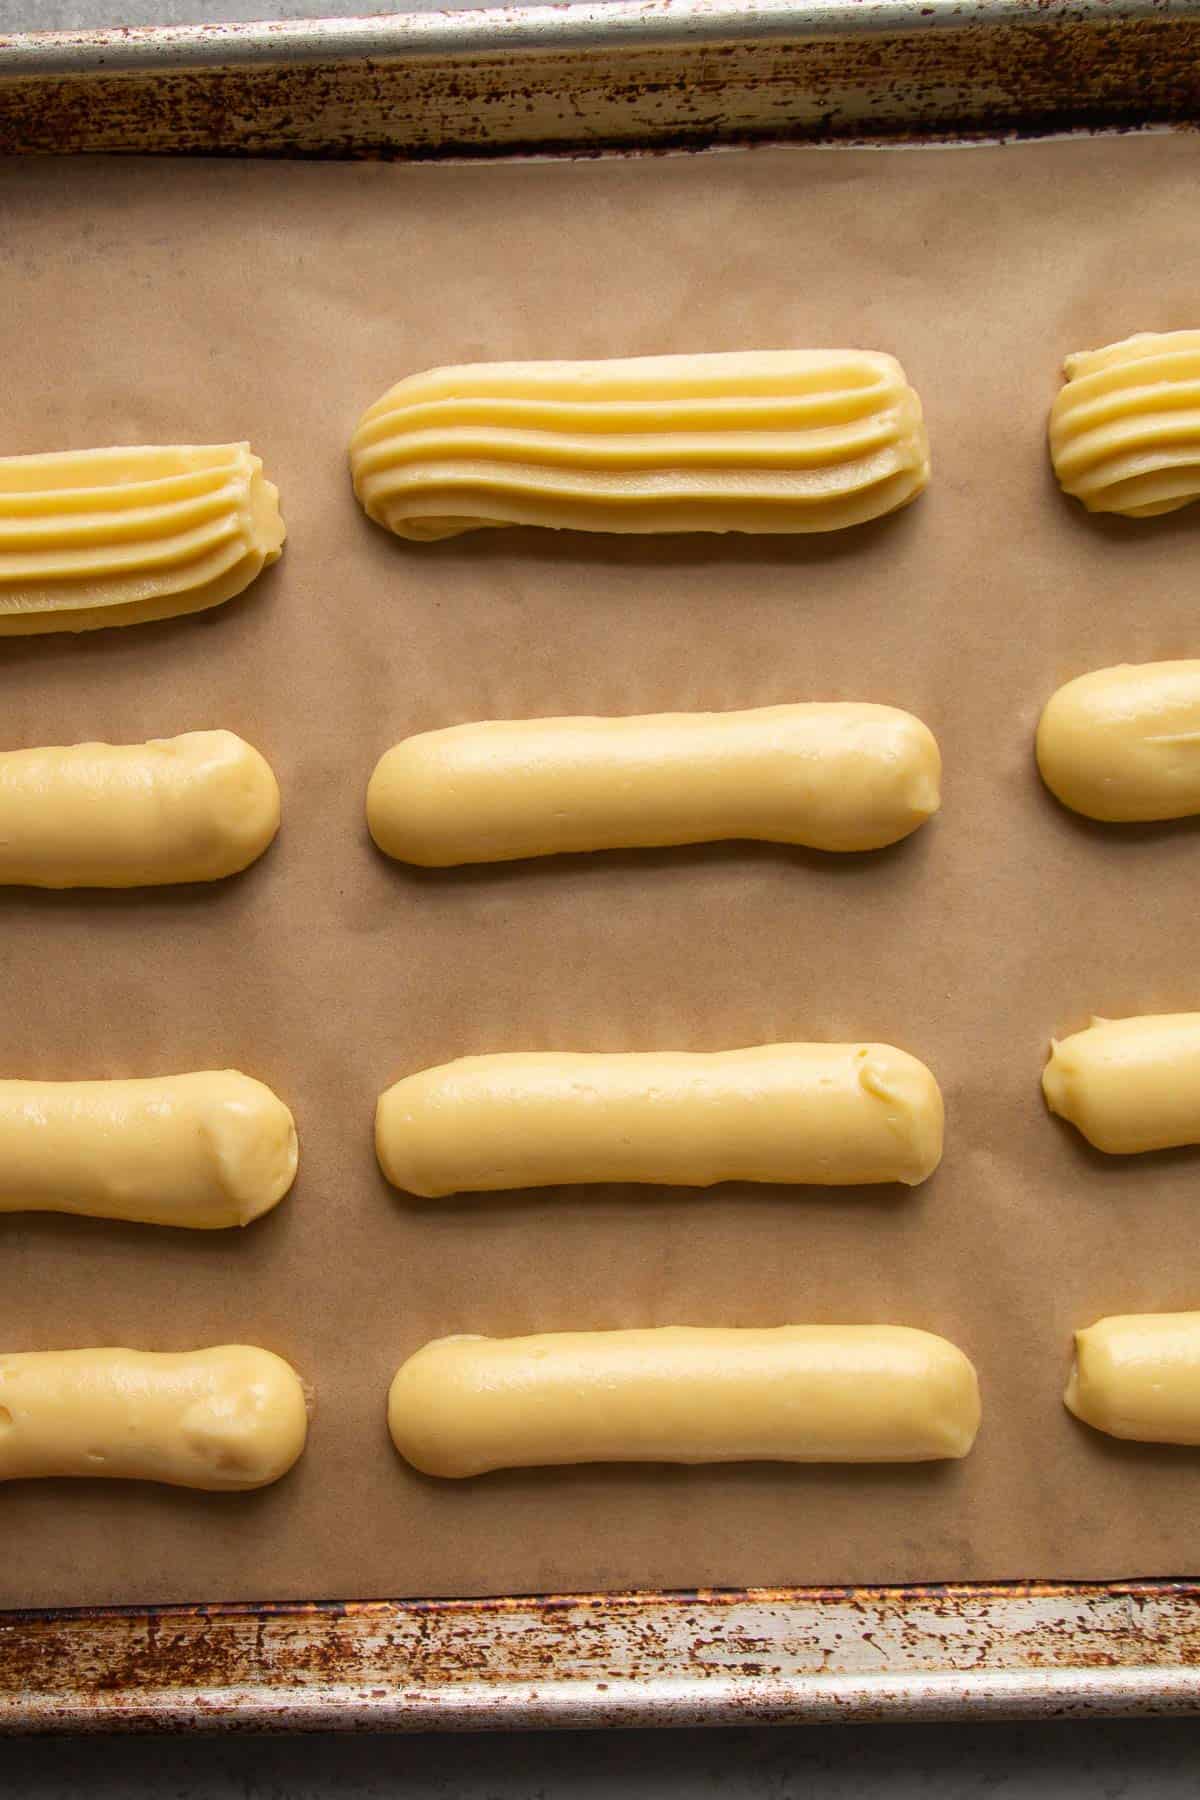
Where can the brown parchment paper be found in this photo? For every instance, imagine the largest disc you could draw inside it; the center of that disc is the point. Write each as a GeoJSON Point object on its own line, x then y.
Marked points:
{"type": "Point", "coordinates": [144, 302]}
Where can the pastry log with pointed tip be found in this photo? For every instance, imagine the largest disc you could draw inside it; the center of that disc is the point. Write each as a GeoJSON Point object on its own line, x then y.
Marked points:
{"type": "Point", "coordinates": [224, 1419]}
{"type": "Point", "coordinates": [757, 441]}
{"type": "Point", "coordinates": [829, 1114]}
{"type": "Point", "coordinates": [1137, 1375]}
{"type": "Point", "coordinates": [840, 776]}
{"type": "Point", "coordinates": [1129, 1084]}
{"type": "Point", "coordinates": [204, 1150]}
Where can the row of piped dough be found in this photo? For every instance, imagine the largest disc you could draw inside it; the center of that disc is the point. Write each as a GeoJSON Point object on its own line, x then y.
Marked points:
{"type": "Point", "coordinates": [1119, 744]}
{"type": "Point", "coordinates": [235, 1417]}
{"type": "Point", "coordinates": [747, 441]}
{"type": "Point", "coordinates": [215, 1148]}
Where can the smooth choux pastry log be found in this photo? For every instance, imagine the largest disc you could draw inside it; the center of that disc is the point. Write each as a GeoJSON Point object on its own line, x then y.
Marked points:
{"type": "Point", "coordinates": [795, 1393]}
{"type": "Point", "coordinates": [1123, 744]}
{"type": "Point", "coordinates": [191, 808]}
{"type": "Point", "coordinates": [758, 440]}
{"type": "Point", "coordinates": [205, 1150]}
{"type": "Point", "coordinates": [1137, 1375]}
{"type": "Point", "coordinates": [833, 1114]}
{"type": "Point", "coordinates": [124, 535]}
{"type": "Point", "coordinates": [229, 1418]}
{"type": "Point", "coordinates": [1125, 430]}
{"type": "Point", "coordinates": [836, 776]}
{"type": "Point", "coordinates": [1129, 1084]}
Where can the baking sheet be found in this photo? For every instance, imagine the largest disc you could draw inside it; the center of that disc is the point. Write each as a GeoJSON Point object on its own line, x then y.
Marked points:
{"type": "Point", "coordinates": [143, 302]}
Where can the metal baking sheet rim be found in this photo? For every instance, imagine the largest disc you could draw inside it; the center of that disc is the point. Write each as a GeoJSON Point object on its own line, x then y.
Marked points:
{"type": "Point", "coordinates": [581, 78]}
{"type": "Point", "coordinates": [764, 1656]}
{"type": "Point", "coordinates": [625, 74]}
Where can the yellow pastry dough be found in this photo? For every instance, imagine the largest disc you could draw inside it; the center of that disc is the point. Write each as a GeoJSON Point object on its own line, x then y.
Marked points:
{"type": "Point", "coordinates": [1138, 1376]}
{"type": "Point", "coordinates": [1125, 430]}
{"type": "Point", "coordinates": [795, 1393]}
{"type": "Point", "coordinates": [1124, 744]}
{"type": "Point", "coordinates": [1129, 1084]}
{"type": "Point", "coordinates": [760, 440]}
{"type": "Point", "coordinates": [232, 1417]}
{"type": "Point", "coordinates": [839, 776]}
{"type": "Point", "coordinates": [206, 1150]}
{"type": "Point", "coordinates": [189, 808]}
{"type": "Point", "coordinates": [120, 536]}
{"type": "Point", "coordinates": [834, 1114]}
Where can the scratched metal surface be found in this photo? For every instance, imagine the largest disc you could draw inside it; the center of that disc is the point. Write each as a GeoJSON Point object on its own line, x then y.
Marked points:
{"type": "Point", "coordinates": [763, 1657]}
{"type": "Point", "coordinates": [648, 74]}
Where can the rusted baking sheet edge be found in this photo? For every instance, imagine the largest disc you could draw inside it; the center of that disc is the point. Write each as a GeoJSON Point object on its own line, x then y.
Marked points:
{"type": "Point", "coordinates": [652, 74]}
{"type": "Point", "coordinates": [767, 1656]}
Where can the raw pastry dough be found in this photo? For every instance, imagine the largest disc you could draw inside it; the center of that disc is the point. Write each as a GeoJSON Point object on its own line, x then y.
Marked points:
{"type": "Point", "coordinates": [840, 776]}
{"type": "Point", "coordinates": [1124, 744]}
{"type": "Point", "coordinates": [232, 1417]}
{"type": "Point", "coordinates": [1129, 1084]}
{"type": "Point", "coordinates": [116, 537]}
{"type": "Point", "coordinates": [834, 1114]}
{"type": "Point", "coordinates": [1138, 1376]}
{"type": "Point", "coordinates": [189, 808]}
{"type": "Point", "coordinates": [1125, 430]}
{"type": "Point", "coordinates": [796, 1393]}
{"type": "Point", "coordinates": [203, 1150]}
{"type": "Point", "coordinates": [759, 440]}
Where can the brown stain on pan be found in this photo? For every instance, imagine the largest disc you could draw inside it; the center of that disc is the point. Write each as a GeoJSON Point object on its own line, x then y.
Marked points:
{"type": "Point", "coordinates": [1035, 70]}
{"type": "Point", "coordinates": [600, 1659]}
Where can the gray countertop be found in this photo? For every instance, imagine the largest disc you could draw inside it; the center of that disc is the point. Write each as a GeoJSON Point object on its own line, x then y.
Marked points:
{"type": "Point", "coordinates": [1064, 1761]}
{"type": "Point", "coordinates": [1102, 1761]}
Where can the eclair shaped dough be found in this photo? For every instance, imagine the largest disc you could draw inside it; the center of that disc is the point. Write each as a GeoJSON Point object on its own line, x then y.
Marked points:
{"type": "Point", "coordinates": [226, 1418]}
{"type": "Point", "coordinates": [834, 1114]}
{"type": "Point", "coordinates": [191, 808]}
{"type": "Point", "coordinates": [1129, 1084]}
{"type": "Point", "coordinates": [838, 776]}
{"type": "Point", "coordinates": [759, 440]}
{"type": "Point", "coordinates": [794, 1393]}
{"type": "Point", "coordinates": [116, 537]}
{"type": "Point", "coordinates": [1125, 430]}
{"type": "Point", "coordinates": [1137, 1375]}
{"type": "Point", "coordinates": [1123, 744]}
{"type": "Point", "coordinates": [206, 1150]}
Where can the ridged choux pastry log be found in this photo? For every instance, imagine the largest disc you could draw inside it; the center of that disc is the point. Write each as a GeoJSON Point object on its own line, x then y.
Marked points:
{"type": "Point", "coordinates": [1125, 430]}
{"type": "Point", "coordinates": [1137, 1375]}
{"type": "Point", "coordinates": [228, 1418]}
{"type": "Point", "coordinates": [1129, 1084]}
{"type": "Point", "coordinates": [124, 535]}
{"type": "Point", "coordinates": [205, 1150]}
{"type": "Point", "coordinates": [1123, 744]}
{"type": "Point", "coordinates": [831, 1114]}
{"type": "Point", "coordinates": [757, 440]}
{"type": "Point", "coordinates": [793, 1393]}
{"type": "Point", "coordinates": [190, 808]}
{"type": "Point", "coordinates": [837, 776]}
